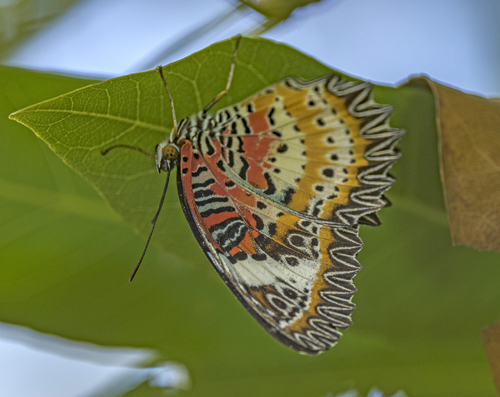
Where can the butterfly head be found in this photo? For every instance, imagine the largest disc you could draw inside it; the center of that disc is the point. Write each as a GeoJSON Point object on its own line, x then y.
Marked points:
{"type": "Point", "coordinates": [167, 156]}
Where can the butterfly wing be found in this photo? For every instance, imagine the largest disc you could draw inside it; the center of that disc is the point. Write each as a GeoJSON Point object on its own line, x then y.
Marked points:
{"type": "Point", "coordinates": [280, 225]}
{"type": "Point", "coordinates": [279, 267]}
{"type": "Point", "coordinates": [320, 148]}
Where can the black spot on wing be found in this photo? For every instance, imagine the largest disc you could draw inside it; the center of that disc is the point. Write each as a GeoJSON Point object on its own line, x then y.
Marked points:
{"type": "Point", "coordinates": [216, 210]}
{"type": "Point", "coordinates": [283, 148]}
{"type": "Point", "coordinates": [220, 165]}
{"type": "Point", "coordinates": [246, 126]}
{"type": "Point", "coordinates": [230, 159]}
{"type": "Point", "coordinates": [199, 171]}
{"type": "Point", "coordinates": [211, 201]}
{"type": "Point", "coordinates": [206, 183]}
{"type": "Point", "coordinates": [244, 168]}
{"type": "Point", "coordinates": [202, 193]}
{"type": "Point", "coordinates": [259, 257]}
{"type": "Point", "coordinates": [271, 188]}
{"type": "Point", "coordinates": [270, 116]}
{"type": "Point", "coordinates": [288, 195]}
{"type": "Point", "coordinates": [259, 224]}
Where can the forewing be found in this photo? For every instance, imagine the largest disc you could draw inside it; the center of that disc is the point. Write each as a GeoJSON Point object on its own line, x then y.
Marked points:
{"type": "Point", "coordinates": [320, 149]}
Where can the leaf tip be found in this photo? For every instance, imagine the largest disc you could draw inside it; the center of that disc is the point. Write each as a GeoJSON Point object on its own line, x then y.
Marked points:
{"type": "Point", "coordinates": [13, 115]}
{"type": "Point", "coordinates": [18, 116]}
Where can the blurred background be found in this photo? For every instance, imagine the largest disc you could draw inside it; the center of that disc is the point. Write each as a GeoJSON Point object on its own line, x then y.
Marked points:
{"type": "Point", "coordinates": [456, 42]}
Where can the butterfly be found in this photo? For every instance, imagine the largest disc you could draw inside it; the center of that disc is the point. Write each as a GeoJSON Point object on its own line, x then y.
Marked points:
{"type": "Point", "coordinates": [274, 189]}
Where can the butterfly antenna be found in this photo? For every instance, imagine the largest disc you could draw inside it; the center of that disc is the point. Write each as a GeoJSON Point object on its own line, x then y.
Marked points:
{"type": "Point", "coordinates": [153, 228]}
{"type": "Point", "coordinates": [160, 69]}
{"type": "Point", "coordinates": [138, 149]}
{"type": "Point", "coordinates": [229, 78]}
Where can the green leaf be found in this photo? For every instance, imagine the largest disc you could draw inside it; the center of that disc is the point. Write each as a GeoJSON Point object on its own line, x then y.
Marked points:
{"type": "Point", "coordinates": [135, 110]}
{"type": "Point", "coordinates": [66, 258]}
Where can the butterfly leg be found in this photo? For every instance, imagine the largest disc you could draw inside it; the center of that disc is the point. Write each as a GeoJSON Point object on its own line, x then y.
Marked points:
{"type": "Point", "coordinates": [229, 79]}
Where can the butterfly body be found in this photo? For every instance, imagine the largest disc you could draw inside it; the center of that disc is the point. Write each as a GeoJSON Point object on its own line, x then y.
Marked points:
{"type": "Point", "coordinates": [274, 189]}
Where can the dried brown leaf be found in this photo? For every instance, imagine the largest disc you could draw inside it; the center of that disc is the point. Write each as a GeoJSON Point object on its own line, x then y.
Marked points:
{"type": "Point", "coordinates": [469, 135]}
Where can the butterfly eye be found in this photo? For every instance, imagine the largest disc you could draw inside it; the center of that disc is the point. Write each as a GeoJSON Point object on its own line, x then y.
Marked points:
{"type": "Point", "coordinates": [170, 152]}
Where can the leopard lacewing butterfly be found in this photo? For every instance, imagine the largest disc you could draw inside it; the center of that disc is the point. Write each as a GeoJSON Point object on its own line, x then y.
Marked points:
{"type": "Point", "coordinates": [274, 189]}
